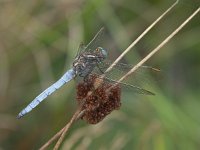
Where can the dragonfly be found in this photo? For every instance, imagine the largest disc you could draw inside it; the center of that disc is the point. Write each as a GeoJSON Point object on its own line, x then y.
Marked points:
{"type": "Point", "coordinates": [88, 58]}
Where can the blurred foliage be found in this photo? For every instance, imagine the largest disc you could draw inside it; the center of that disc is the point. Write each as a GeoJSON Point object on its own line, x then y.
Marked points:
{"type": "Point", "coordinates": [38, 42]}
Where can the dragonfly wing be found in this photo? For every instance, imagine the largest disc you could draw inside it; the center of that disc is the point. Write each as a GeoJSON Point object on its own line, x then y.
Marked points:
{"type": "Point", "coordinates": [134, 88]}
{"type": "Point", "coordinates": [94, 43]}
{"type": "Point", "coordinates": [143, 75]}
{"type": "Point", "coordinates": [69, 75]}
{"type": "Point", "coordinates": [81, 49]}
{"type": "Point", "coordinates": [137, 89]}
{"type": "Point", "coordinates": [126, 67]}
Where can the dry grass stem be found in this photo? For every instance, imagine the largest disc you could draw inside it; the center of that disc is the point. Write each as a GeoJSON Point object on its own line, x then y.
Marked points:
{"type": "Point", "coordinates": [77, 115]}
{"type": "Point", "coordinates": [158, 47]}
{"type": "Point", "coordinates": [140, 37]}
{"type": "Point", "coordinates": [52, 139]}
{"type": "Point", "coordinates": [73, 119]}
{"type": "Point", "coordinates": [99, 82]}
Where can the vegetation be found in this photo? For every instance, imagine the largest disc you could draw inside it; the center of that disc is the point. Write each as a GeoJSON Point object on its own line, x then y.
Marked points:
{"type": "Point", "coordinates": [38, 42]}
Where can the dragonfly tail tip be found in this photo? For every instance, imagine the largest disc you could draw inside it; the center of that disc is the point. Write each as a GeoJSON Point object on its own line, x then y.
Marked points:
{"type": "Point", "coordinates": [19, 116]}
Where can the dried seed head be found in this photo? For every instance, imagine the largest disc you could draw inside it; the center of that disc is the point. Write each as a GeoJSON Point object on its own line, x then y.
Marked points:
{"type": "Point", "coordinates": [101, 103]}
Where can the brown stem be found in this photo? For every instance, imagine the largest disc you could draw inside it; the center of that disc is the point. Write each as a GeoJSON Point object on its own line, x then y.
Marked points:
{"type": "Point", "coordinates": [141, 36]}
{"type": "Point", "coordinates": [157, 48]}
{"type": "Point", "coordinates": [67, 126]}
{"type": "Point", "coordinates": [98, 83]}
{"type": "Point", "coordinates": [52, 139]}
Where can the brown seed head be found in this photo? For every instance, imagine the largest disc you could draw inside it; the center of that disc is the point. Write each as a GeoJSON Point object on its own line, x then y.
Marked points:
{"type": "Point", "coordinates": [101, 103]}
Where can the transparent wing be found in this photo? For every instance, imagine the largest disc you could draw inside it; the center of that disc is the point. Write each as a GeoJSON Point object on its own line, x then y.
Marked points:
{"type": "Point", "coordinates": [124, 67]}
{"type": "Point", "coordinates": [133, 83]}
{"type": "Point", "coordinates": [134, 88]}
{"type": "Point", "coordinates": [92, 45]}
{"type": "Point", "coordinates": [69, 75]}
{"type": "Point", "coordinates": [120, 69]}
{"type": "Point", "coordinates": [81, 49]}
{"type": "Point", "coordinates": [95, 42]}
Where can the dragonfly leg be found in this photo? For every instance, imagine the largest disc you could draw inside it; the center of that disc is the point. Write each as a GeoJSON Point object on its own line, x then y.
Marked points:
{"type": "Point", "coordinates": [100, 69]}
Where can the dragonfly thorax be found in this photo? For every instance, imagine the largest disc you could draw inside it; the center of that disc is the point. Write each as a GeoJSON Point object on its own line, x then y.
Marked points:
{"type": "Point", "coordinates": [85, 62]}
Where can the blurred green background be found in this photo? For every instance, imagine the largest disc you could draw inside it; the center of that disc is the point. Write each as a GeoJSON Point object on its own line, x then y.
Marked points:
{"type": "Point", "coordinates": [38, 42]}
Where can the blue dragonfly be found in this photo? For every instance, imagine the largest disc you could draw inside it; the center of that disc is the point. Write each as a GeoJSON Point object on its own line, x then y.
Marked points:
{"type": "Point", "coordinates": [88, 59]}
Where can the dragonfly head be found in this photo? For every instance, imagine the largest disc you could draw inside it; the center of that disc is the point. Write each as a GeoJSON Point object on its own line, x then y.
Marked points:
{"type": "Point", "coordinates": [102, 53]}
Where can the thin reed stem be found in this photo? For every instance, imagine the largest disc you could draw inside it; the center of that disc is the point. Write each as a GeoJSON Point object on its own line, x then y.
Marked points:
{"type": "Point", "coordinates": [99, 82]}
{"type": "Point", "coordinates": [75, 117]}
{"type": "Point", "coordinates": [56, 136]}
{"type": "Point", "coordinates": [140, 37]}
{"type": "Point", "coordinates": [157, 48]}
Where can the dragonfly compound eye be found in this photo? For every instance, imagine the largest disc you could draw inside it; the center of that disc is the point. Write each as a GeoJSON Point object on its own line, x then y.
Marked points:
{"type": "Point", "coordinates": [103, 52]}
{"type": "Point", "coordinates": [97, 50]}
